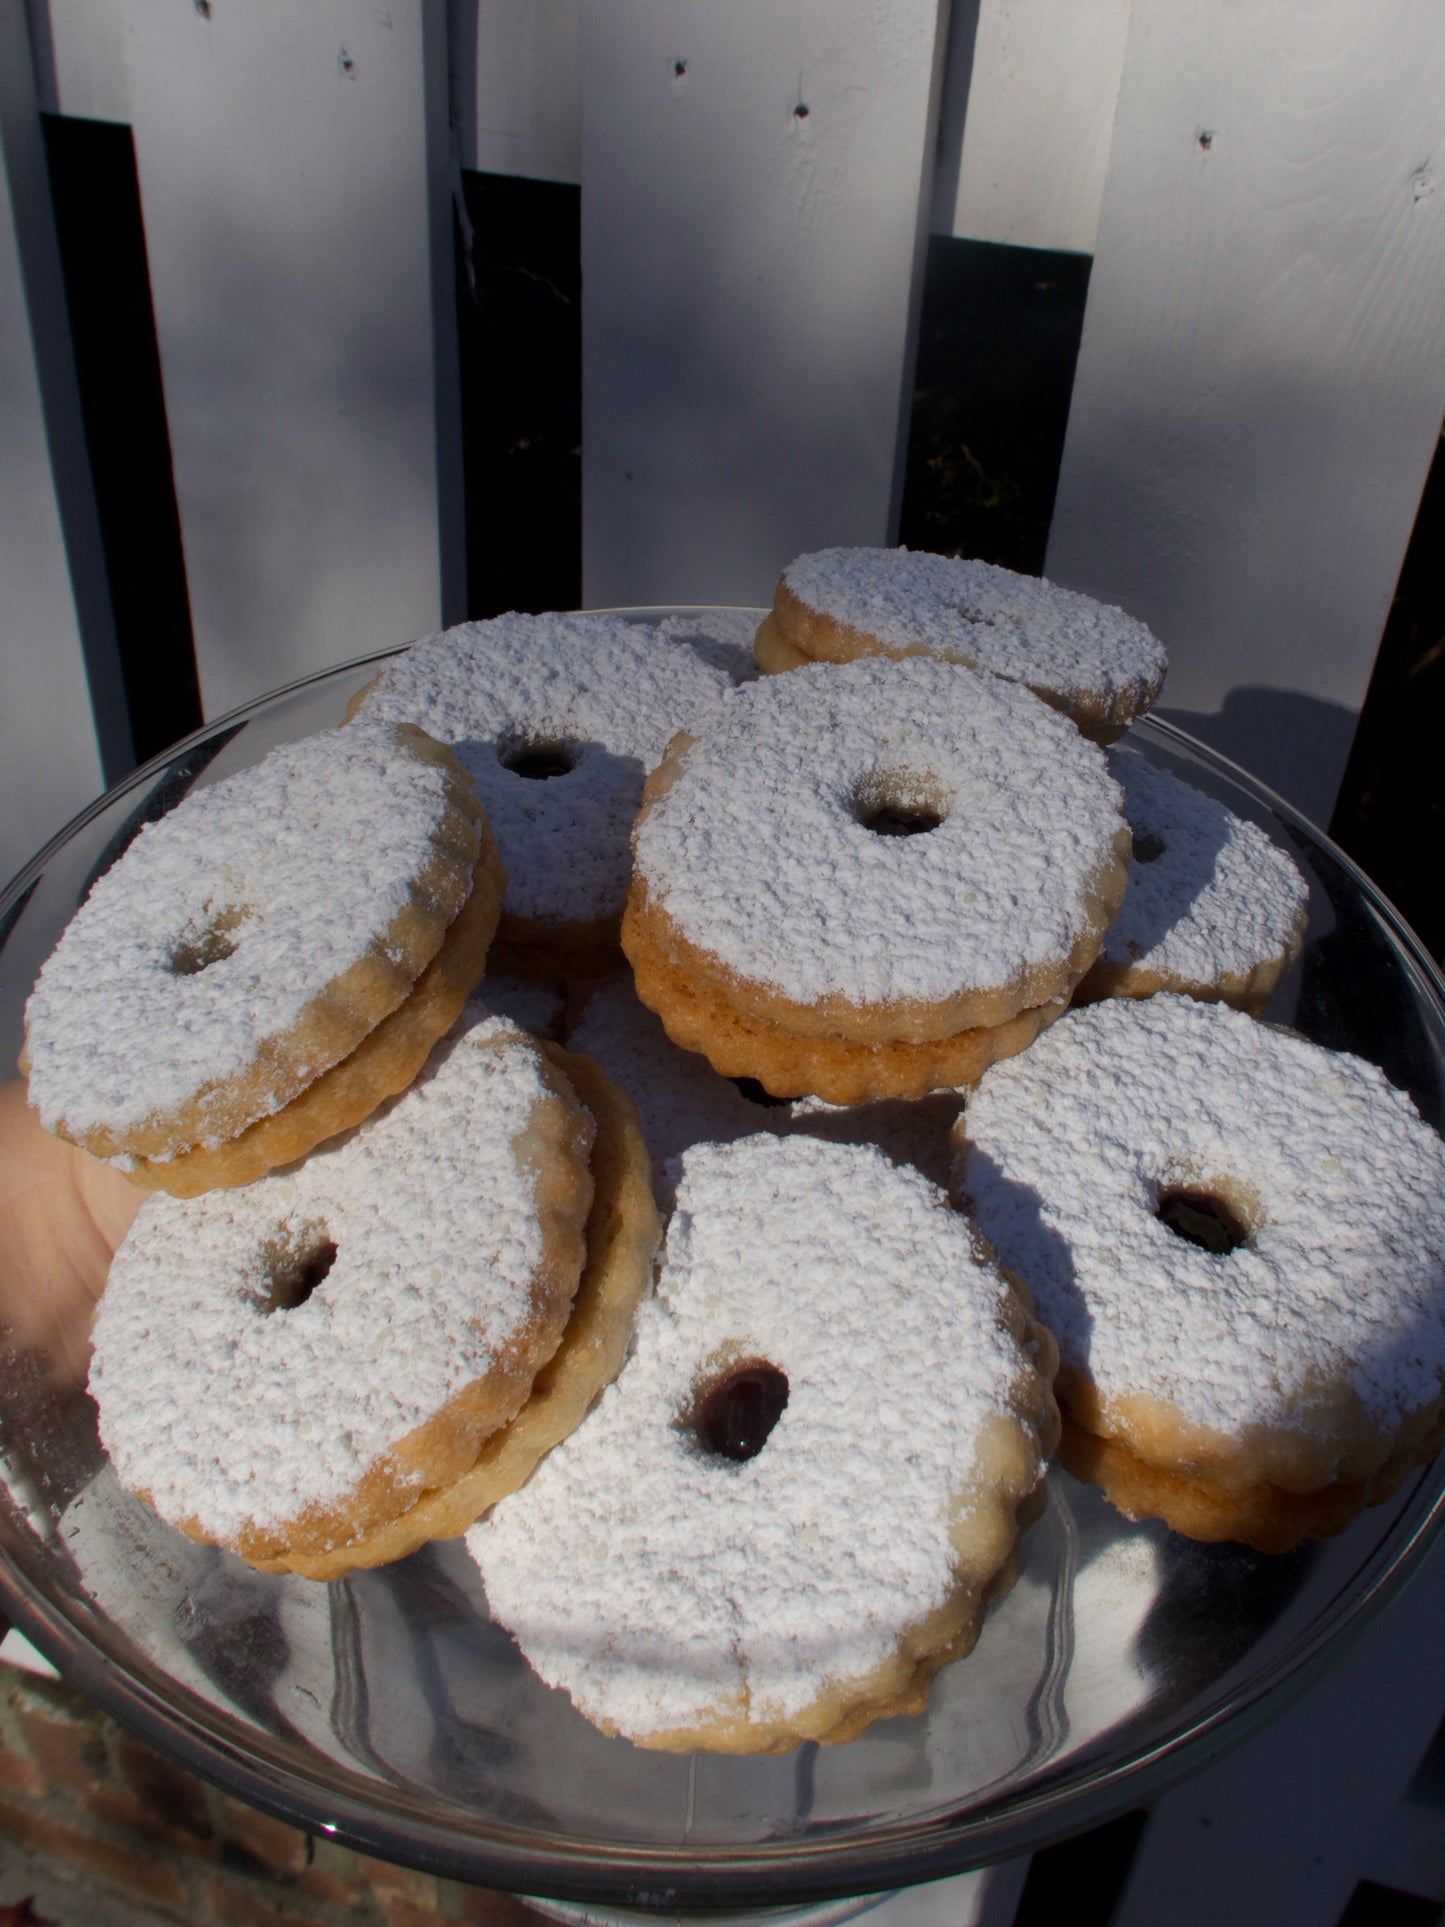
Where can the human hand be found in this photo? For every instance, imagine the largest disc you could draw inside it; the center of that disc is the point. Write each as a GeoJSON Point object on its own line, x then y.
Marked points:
{"type": "Point", "coordinates": [62, 1214]}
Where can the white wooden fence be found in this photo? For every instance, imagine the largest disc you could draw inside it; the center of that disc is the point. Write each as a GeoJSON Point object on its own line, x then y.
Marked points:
{"type": "Point", "coordinates": [1260, 387]}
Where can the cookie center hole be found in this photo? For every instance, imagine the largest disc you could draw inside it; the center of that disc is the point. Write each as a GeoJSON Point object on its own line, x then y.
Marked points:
{"type": "Point", "coordinates": [738, 1411]}
{"type": "Point", "coordinates": [197, 948]}
{"type": "Point", "coordinates": [1202, 1218]}
{"type": "Point", "coordinates": [538, 762]}
{"type": "Point", "coordinates": [1148, 848]}
{"type": "Point", "coordinates": [755, 1093]}
{"type": "Point", "coordinates": [298, 1274]}
{"type": "Point", "coordinates": [891, 820]}
{"type": "Point", "coordinates": [898, 803]}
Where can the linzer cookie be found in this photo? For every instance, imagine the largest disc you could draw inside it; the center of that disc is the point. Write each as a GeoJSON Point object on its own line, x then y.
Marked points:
{"type": "Point", "coordinates": [871, 879]}
{"type": "Point", "coordinates": [558, 720]}
{"type": "Point", "coordinates": [808, 1482]}
{"type": "Point", "coordinates": [267, 962]}
{"type": "Point", "coordinates": [1101, 667]}
{"type": "Point", "coordinates": [346, 1359]}
{"type": "Point", "coordinates": [1214, 908]}
{"type": "Point", "coordinates": [1238, 1239]}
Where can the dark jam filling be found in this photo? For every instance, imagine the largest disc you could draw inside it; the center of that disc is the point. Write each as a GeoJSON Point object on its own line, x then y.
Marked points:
{"type": "Point", "coordinates": [738, 1411]}
{"type": "Point", "coordinates": [1148, 848]}
{"type": "Point", "coordinates": [1201, 1218]}
{"type": "Point", "coordinates": [197, 952]}
{"type": "Point", "coordinates": [539, 761]}
{"type": "Point", "coordinates": [294, 1284]}
{"type": "Point", "coordinates": [889, 821]}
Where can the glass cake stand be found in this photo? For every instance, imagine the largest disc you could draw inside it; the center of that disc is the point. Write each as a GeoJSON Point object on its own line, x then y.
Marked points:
{"type": "Point", "coordinates": [389, 1712]}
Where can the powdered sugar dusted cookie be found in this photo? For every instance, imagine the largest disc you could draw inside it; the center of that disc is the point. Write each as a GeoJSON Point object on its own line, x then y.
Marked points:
{"type": "Point", "coordinates": [621, 1238]}
{"type": "Point", "coordinates": [1214, 908]}
{"type": "Point", "coordinates": [286, 1368]}
{"type": "Point", "coordinates": [558, 720]}
{"type": "Point", "coordinates": [1100, 666]}
{"type": "Point", "coordinates": [871, 879]}
{"type": "Point", "coordinates": [268, 961]}
{"type": "Point", "coordinates": [1238, 1239]}
{"type": "Point", "coordinates": [807, 1483]}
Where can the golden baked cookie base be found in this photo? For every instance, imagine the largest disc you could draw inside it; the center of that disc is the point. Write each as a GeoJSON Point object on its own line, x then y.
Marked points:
{"type": "Point", "coordinates": [385, 1062]}
{"type": "Point", "coordinates": [1263, 1516]}
{"type": "Point", "coordinates": [794, 633]}
{"type": "Point", "coordinates": [1247, 990]}
{"type": "Point", "coordinates": [353, 1004]}
{"type": "Point", "coordinates": [774, 654]}
{"type": "Point", "coordinates": [556, 1144]}
{"type": "Point", "coordinates": [903, 1020]}
{"type": "Point", "coordinates": [837, 1069]}
{"type": "Point", "coordinates": [1329, 1437]}
{"type": "Point", "coordinates": [622, 1235]}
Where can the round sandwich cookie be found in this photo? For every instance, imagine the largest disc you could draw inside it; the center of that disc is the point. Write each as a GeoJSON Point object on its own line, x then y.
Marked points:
{"type": "Point", "coordinates": [558, 720]}
{"type": "Point", "coordinates": [808, 1482]}
{"type": "Point", "coordinates": [872, 879]}
{"type": "Point", "coordinates": [328, 1367]}
{"type": "Point", "coordinates": [1238, 1239]}
{"type": "Point", "coordinates": [268, 962]}
{"type": "Point", "coordinates": [1099, 666]}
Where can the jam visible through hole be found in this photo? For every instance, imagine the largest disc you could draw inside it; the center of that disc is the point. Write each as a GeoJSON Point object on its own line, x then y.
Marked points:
{"type": "Point", "coordinates": [738, 1410]}
{"type": "Point", "coordinates": [1148, 848]}
{"type": "Point", "coordinates": [1202, 1218]}
{"type": "Point", "coordinates": [890, 820]}
{"type": "Point", "coordinates": [294, 1279]}
{"type": "Point", "coordinates": [538, 762]}
{"type": "Point", "coordinates": [197, 948]}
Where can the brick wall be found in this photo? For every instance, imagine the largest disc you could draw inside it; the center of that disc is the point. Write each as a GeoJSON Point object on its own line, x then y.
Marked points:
{"type": "Point", "coordinates": [82, 1793]}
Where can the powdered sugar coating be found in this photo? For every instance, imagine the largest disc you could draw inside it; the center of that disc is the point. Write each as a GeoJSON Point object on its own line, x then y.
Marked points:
{"type": "Point", "coordinates": [610, 690]}
{"type": "Point", "coordinates": [758, 855]}
{"type": "Point", "coordinates": [225, 1411]}
{"type": "Point", "coordinates": [1218, 898]}
{"type": "Point", "coordinates": [1343, 1278]}
{"type": "Point", "coordinates": [722, 637]}
{"type": "Point", "coordinates": [1016, 626]}
{"type": "Point", "coordinates": [315, 850]}
{"type": "Point", "coordinates": [657, 1582]}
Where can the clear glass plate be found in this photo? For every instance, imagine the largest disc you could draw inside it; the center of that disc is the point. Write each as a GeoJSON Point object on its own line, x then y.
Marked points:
{"type": "Point", "coordinates": [388, 1711]}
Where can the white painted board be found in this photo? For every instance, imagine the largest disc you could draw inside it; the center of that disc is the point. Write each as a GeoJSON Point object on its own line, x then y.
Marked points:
{"type": "Point", "coordinates": [1262, 374]}
{"type": "Point", "coordinates": [57, 747]}
{"type": "Point", "coordinates": [754, 203]}
{"type": "Point", "coordinates": [516, 77]}
{"type": "Point", "coordinates": [1280, 1832]}
{"type": "Point", "coordinates": [1028, 120]}
{"type": "Point", "coordinates": [80, 58]}
{"type": "Point", "coordinates": [295, 184]}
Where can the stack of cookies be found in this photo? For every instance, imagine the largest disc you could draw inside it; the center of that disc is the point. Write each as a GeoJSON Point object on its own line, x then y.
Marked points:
{"type": "Point", "coordinates": [804, 920]}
